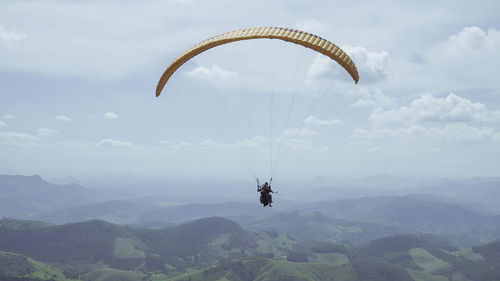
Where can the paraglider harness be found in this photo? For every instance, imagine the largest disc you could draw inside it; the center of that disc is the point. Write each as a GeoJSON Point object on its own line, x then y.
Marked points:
{"type": "Point", "coordinates": [265, 193]}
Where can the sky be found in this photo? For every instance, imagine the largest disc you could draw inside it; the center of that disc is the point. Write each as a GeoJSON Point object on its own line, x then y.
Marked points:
{"type": "Point", "coordinates": [77, 82]}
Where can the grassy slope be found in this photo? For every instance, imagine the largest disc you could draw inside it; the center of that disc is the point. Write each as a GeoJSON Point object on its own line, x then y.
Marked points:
{"type": "Point", "coordinates": [46, 272]}
{"type": "Point", "coordinates": [108, 274]}
{"type": "Point", "coordinates": [424, 276]}
{"type": "Point", "coordinates": [427, 258]}
{"type": "Point", "coordinates": [330, 258]}
{"type": "Point", "coordinates": [267, 270]}
{"type": "Point", "coordinates": [20, 266]}
{"type": "Point", "coordinates": [128, 248]}
{"type": "Point", "coordinates": [427, 261]}
{"type": "Point", "coordinates": [469, 254]}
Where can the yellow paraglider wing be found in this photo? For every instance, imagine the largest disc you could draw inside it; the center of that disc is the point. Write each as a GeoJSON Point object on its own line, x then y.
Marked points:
{"type": "Point", "coordinates": [290, 35]}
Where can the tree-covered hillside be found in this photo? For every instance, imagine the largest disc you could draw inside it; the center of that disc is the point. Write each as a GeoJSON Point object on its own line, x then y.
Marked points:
{"type": "Point", "coordinates": [15, 267]}
{"type": "Point", "coordinates": [219, 249]}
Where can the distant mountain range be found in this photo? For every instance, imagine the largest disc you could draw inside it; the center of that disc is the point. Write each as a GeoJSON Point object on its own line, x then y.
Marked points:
{"type": "Point", "coordinates": [24, 196]}
{"type": "Point", "coordinates": [355, 220]}
{"type": "Point", "coordinates": [415, 214]}
{"type": "Point", "coordinates": [320, 227]}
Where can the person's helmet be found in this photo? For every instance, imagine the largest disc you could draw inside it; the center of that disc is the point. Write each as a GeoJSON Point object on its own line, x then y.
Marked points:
{"type": "Point", "coordinates": [266, 183]}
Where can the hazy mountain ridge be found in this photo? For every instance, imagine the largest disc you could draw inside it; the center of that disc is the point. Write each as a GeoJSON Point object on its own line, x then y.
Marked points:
{"type": "Point", "coordinates": [141, 214]}
{"type": "Point", "coordinates": [424, 213]}
{"type": "Point", "coordinates": [120, 212]}
{"type": "Point", "coordinates": [397, 214]}
{"type": "Point", "coordinates": [23, 196]}
{"type": "Point", "coordinates": [415, 214]}
{"type": "Point", "coordinates": [22, 224]}
{"type": "Point", "coordinates": [482, 191]}
{"type": "Point", "coordinates": [473, 194]}
{"type": "Point", "coordinates": [320, 227]}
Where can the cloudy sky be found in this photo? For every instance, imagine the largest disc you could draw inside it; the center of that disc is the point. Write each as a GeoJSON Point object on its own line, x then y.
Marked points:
{"type": "Point", "coordinates": [77, 81]}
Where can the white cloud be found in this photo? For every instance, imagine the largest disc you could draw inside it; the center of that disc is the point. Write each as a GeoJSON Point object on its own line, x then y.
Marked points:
{"type": "Point", "coordinates": [432, 120]}
{"type": "Point", "coordinates": [372, 66]}
{"type": "Point", "coordinates": [322, 66]}
{"type": "Point", "coordinates": [63, 118]}
{"type": "Point", "coordinates": [313, 120]}
{"type": "Point", "coordinates": [174, 145]}
{"type": "Point", "coordinates": [8, 116]}
{"type": "Point", "coordinates": [10, 37]}
{"type": "Point", "coordinates": [110, 115]}
{"type": "Point", "coordinates": [296, 132]}
{"type": "Point", "coordinates": [211, 144]}
{"type": "Point", "coordinates": [469, 58]}
{"type": "Point", "coordinates": [210, 72]}
{"type": "Point", "coordinates": [260, 139]}
{"type": "Point", "coordinates": [375, 98]}
{"type": "Point", "coordinates": [46, 132]}
{"type": "Point", "coordinates": [301, 144]}
{"type": "Point", "coordinates": [429, 108]}
{"type": "Point", "coordinates": [17, 138]}
{"type": "Point", "coordinates": [239, 144]}
{"type": "Point", "coordinates": [471, 40]}
{"type": "Point", "coordinates": [461, 132]}
{"type": "Point", "coordinates": [257, 145]}
{"type": "Point", "coordinates": [247, 144]}
{"type": "Point", "coordinates": [456, 132]}
{"type": "Point", "coordinates": [110, 143]}
{"type": "Point", "coordinates": [2, 124]}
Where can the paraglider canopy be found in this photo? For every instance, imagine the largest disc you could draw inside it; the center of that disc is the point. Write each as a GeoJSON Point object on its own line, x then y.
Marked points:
{"type": "Point", "coordinates": [305, 39]}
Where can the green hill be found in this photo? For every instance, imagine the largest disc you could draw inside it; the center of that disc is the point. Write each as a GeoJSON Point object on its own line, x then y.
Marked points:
{"type": "Point", "coordinates": [109, 274]}
{"type": "Point", "coordinates": [399, 243]}
{"type": "Point", "coordinates": [219, 249]}
{"type": "Point", "coordinates": [18, 267]}
{"type": "Point", "coordinates": [91, 241]}
{"type": "Point", "coordinates": [428, 257]}
{"type": "Point", "coordinates": [196, 244]}
{"type": "Point", "coordinates": [267, 269]}
{"type": "Point", "coordinates": [275, 270]}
